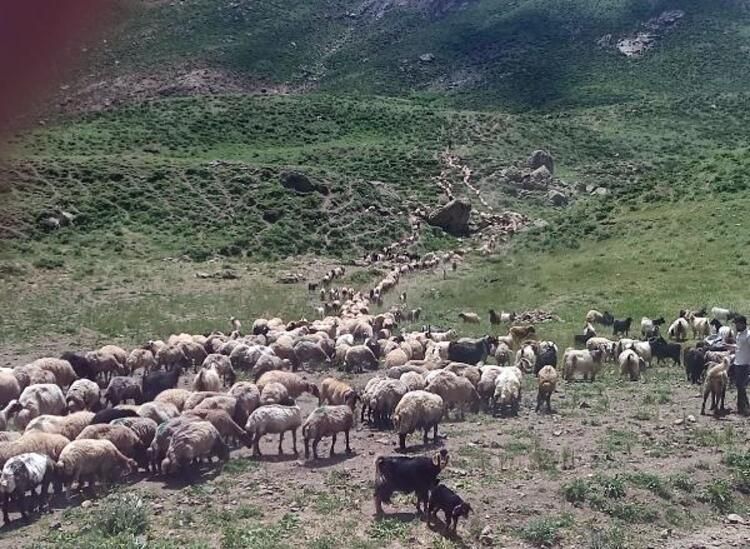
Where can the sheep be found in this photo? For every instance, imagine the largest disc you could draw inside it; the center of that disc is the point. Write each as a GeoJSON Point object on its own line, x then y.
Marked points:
{"type": "Point", "coordinates": [21, 474]}
{"type": "Point", "coordinates": [118, 352]}
{"type": "Point", "coordinates": [61, 369]}
{"type": "Point", "coordinates": [208, 379]}
{"type": "Point", "coordinates": [227, 427]}
{"type": "Point", "coordinates": [644, 349]}
{"type": "Point", "coordinates": [92, 460]}
{"type": "Point", "coordinates": [695, 364]}
{"type": "Point", "coordinates": [418, 410]}
{"type": "Point", "coordinates": [521, 334]}
{"type": "Point", "coordinates": [294, 383]}
{"type": "Point", "coordinates": [503, 354]}
{"type": "Point", "coordinates": [547, 382]}
{"type": "Point", "coordinates": [595, 317]}
{"type": "Point", "coordinates": [700, 327]}
{"type": "Point", "coordinates": [449, 335]}
{"type": "Point", "coordinates": [722, 314]}
{"type": "Point", "coordinates": [502, 318]}
{"type": "Point", "coordinates": [585, 362]}
{"type": "Point", "coordinates": [124, 439]}
{"type": "Point", "coordinates": [196, 398]}
{"type": "Point", "coordinates": [105, 416]}
{"type": "Point", "coordinates": [444, 499]}
{"type": "Point", "coordinates": [456, 391]}
{"type": "Point", "coordinates": [175, 397]}
{"type": "Point", "coordinates": [164, 431]}
{"type": "Point", "coordinates": [396, 357]}
{"type": "Point", "coordinates": [527, 352]}
{"type": "Point", "coordinates": [275, 393]}
{"type": "Point", "coordinates": [470, 318]}
{"type": "Point", "coordinates": [335, 392]}
{"type": "Point", "coordinates": [622, 327]}
{"type": "Point", "coordinates": [273, 419]}
{"type": "Point", "coordinates": [470, 351]}
{"type": "Point", "coordinates": [144, 428]}
{"type": "Point", "coordinates": [413, 381]}
{"type": "Point", "coordinates": [507, 393]}
{"type": "Point", "coordinates": [630, 364]}
{"type": "Point", "coordinates": [311, 356]}
{"type": "Point", "coordinates": [716, 386]}
{"type": "Point", "coordinates": [68, 426]}
{"type": "Point", "coordinates": [32, 375]}
{"type": "Point", "coordinates": [141, 359]}
{"type": "Point", "coordinates": [327, 421]}
{"type": "Point", "coordinates": [154, 383]}
{"type": "Point", "coordinates": [10, 389]}
{"type": "Point", "coordinates": [81, 365]}
{"type": "Point", "coordinates": [247, 395]}
{"type": "Point", "coordinates": [9, 436]}
{"type": "Point", "coordinates": [105, 364]}
{"type": "Point", "coordinates": [158, 411]}
{"type": "Point", "coordinates": [486, 385]}
{"type": "Point", "coordinates": [226, 403]}
{"type": "Point", "coordinates": [83, 394]}
{"type": "Point", "coordinates": [36, 400]}
{"type": "Point", "coordinates": [194, 353]}
{"type": "Point", "coordinates": [222, 365]}
{"type": "Point", "coordinates": [123, 388]}
{"type": "Point", "coordinates": [602, 344]}
{"type": "Point", "coordinates": [407, 474]}
{"type": "Point", "coordinates": [396, 372]}
{"type": "Point", "coordinates": [171, 357]}
{"type": "Point", "coordinates": [678, 329]}
{"type": "Point", "coordinates": [49, 444]}
{"type": "Point", "coordinates": [383, 399]}
{"type": "Point", "coordinates": [194, 440]}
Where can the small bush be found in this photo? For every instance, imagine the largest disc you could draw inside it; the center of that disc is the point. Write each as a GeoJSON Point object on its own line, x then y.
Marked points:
{"type": "Point", "coordinates": [718, 494]}
{"type": "Point", "coordinates": [545, 531]}
{"type": "Point", "coordinates": [122, 514]}
{"type": "Point", "coordinates": [576, 491]}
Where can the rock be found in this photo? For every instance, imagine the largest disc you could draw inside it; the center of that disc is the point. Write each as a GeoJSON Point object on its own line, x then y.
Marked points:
{"type": "Point", "coordinates": [584, 404]}
{"type": "Point", "coordinates": [453, 217]}
{"type": "Point", "coordinates": [272, 215]}
{"type": "Point", "coordinates": [735, 519]}
{"type": "Point", "coordinates": [556, 198]}
{"type": "Point", "coordinates": [297, 181]}
{"type": "Point", "coordinates": [86, 504]}
{"type": "Point", "coordinates": [541, 158]}
{"type": "Point", "coordinates": [427, 58]}
{"type": "Point", "coordinates": [600, 191]}
{"type": "Point", "coordinates": [56, 525]}
{"type": "Point", "coordinates": [679, 421]}
{"type": "Point", "coordinates": [486, 537]}
{"type": "Point", "coordinates": [691, 418]}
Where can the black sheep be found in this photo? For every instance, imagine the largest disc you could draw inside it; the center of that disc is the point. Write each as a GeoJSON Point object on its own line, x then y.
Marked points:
{"type": "Point", "coordinates": [105, 416]}
{"type": "Point", "coordinates": [155, 382]}
{"type": "Point", "coordinates": [695, 364]}
{"type": "Point", "coordinates": [80, 365]}
{"type": "Point", "coordinates": [406, 475]}
{"type": "Point", "coordinates": [579, 340]}
{"type": "Point", "coordinates": [446, 500]}
{"type": "Point", "coordinates": [620, 327]}
{"type": "Point", "coordinates": [547, 356]}
{"type": "Point", "coordinates": [607, 319]}
{"type": "Point", "coordinates": [661, 349]}
{"type": "Point", "coordinates": [470, 351]}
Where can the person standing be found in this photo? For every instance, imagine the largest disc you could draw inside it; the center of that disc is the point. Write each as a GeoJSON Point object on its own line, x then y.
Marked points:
{"type": "Point", "coordinates": [742, 363]}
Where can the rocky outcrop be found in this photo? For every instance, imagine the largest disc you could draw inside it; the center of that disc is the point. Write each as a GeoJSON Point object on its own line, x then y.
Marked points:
{"type": "Point", "coordinates": [453, 217]}
{"type": "Point", "coordinates": [297, 181]}
{"type": "Point", "coordinates": [541, 158]}
{"type": "Point", "coordinates": [556, 198]}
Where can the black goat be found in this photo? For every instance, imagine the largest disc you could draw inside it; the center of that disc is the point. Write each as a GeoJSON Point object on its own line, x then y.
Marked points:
{"type": "Point", "coordinates": [470, 351]}
{"type": "Point", "coordinates": [607, 319]}
{"type": "Point", "coordinates": [446, 500]}
{"type": "Point", "coordinates": [406, 475]}
{"type": "Point", "coordinates": [105, 416]}
{"type": "Point", "coordinates": [622, 327]}
{"type": "Point", "coordinates": [80, 365]}
{"type": "Point", "coordinates": [547, 356]}
{"type": "Point", "coordinates": [661, 349]}
{"type": "Point", "coordinates": [155, 382]}
{"type": "Point", "coordinates": [695, 364]}
{"type": "Point", "coordinates": [579, 340]}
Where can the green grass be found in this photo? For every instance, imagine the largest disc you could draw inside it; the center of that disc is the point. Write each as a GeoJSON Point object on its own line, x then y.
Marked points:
{"type": "Point", "coordinates": [545, 531]}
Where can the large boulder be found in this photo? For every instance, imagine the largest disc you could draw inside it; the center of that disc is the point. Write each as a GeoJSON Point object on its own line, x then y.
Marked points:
{"type": "Point", "coordinates": [299, 182]}
{"type": "Point", "coordinates": [556, 198]}
{"type": "Point", "coordinates": [541, 158]}
{"type": "Point", "coordinates": [453, 217]}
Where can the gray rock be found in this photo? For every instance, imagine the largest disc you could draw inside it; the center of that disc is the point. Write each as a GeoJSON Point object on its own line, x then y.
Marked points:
{"type": "Point", "coordinates": [427, 58]}
{"type": "Point", "coordinates": [735, 519]}
{"type": "Point", "coordinates": [557, 198]}
{"type": "Point", "coordinates": [453, 217]}
{"type": "Point", "coordinates": [541, 158]}
{"type": "Point", "coordinates": [299, 182]}
{"type": "Point", "coordinates": [600, 191]}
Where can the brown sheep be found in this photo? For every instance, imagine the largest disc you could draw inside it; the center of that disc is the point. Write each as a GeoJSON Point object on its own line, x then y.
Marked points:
{"type": "Point", "coordinates": [68, 426]}
{"type": "Point", "coordinates": [33, 442]}
{"type": "Point", "coordinates": [336, 392]}
{"type": "Point", "coordinates": [124, 439]}
{"type": "Point", "coordinates": [546, 386]}
{"type": "Point", "coordinates": [92, 460]}
{"type": "Point", "coordinates": [175, 397]}
{"type": "Point", "coordinates": [294, 383]}
{"type": "Point", "coordinates": [521, 334]}
{"type": "Point", "coordinates": [223, 422]}
{"type": "Point", "coordinates": [61, 369]}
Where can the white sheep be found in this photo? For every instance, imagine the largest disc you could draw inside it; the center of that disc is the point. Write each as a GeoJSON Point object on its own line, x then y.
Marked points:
{"type": "Point", "coordinates": [716, 386]}
{"type": "Point", "coordinates": [141, 359]}
{"type": "Point", "coordinates": [587, 363]}
{"type": "Point", "coordinates": [69, 426]}
{"type": "Point", "coordinates": [630, 364]}
{"type": "Point", "coordinates": [83, 394]}
{"type": "Point", "coordinates": [414, 381]}
{"type": "Point", "coordinates": [175, 397]}
{"type": "Point", "coordinates": [470, 318]}
{"type": "Point", "coordinates": [36, 400]}
{"type": "Point", "coordinates": [384, 397]}
{"type": "Point", "coordinates": [418, 410]}
{"type": "Point", "coordinates": [275, 393]}
{"type": "Point", "coordinates": [327, 421]}
{"type": "Point", "coordinates": [678, 329]}
{"type": "Point", "coordinates": [10, 389]}
{"type": "Point", "coordinates": [507, 393]}
{"type": "Point", "coordinates": [456, 392]}
{"type": "Point", "coordinates": [606, 346]}
{"type": "Point", "coordinates": [503, 354]}
{"type": "Point", "coordinates": [193, 441]}
{"type": "Point", "coordinates": [547, 382]}
{"type": "Point", "coordinates": [158, 411]}
{"type": "Point", "coordinates": [207, 379]}
{"type": "Point", "coordinates": [61, 369]}
{"type": "Point", "coordinates": [271, 420]}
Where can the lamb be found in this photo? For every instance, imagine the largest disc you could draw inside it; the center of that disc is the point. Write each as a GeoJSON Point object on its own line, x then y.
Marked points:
{"type": "Point", "coordinates": [414, 381]}
{"type": "Point", "coordinates": [294, 383]}
{"type": "Point", "coordinates": [92, 460]}
{"type": "Point", "coordinates": [223, 365]}
{"type": "Point", "coordinates": [456, 391]}
{"type": "Point", "coordinates": [208, 379]}
{"type": "Point", "coordinates": [383, 399]}
{"type": "Point", "coordinates": [124, 439]}
{"type": "Point", "coordinates": [470, 318]}
{"type": "Point", "coordinates": [275, 393]}
{"type": "Point", "coordinates": [716, 386]}
{"type": "Point", "coordinates": [695, 364]}
{"type": "Point", "coordinates": [630, 364]}
{"type": "Point", "coordinates": [110, 414]}
{"type": "Point", "coordinates": [141, 359]}
{"type": "Point", "coordinates": [547, 382]}
{"type": "Point", "coordinates": [144, 428]}
{"type": "Point", "coordinates": [335, 392]}
{"type": "Point", "coordinates": [68, 426]}
{"type": "Point", "coordinates": [36, 400]}
{"type": "Point", "coordinates": [449, 335]}
{"type": "Point", "coordinates": [83, 394]}
{"type": "Point", "coordinates": [507, 393]}
{"type": "Point", "coordinates": [678, 329]}
{"type": "Point", "coordinates": [227, 427]}
{"type": "Point", "coordinates": [273, 419]}
{"type": "Point", "coordinates": [418, 410]}
{"type": "Point", "coordinates": [446, 500]}
{"type": "Point", "coordinates": [154, 383]}
{"type": "Point", "coordinates": [587, 363]}
{"type": "Point", "coordinates": [21, 474]}
{"type": "Point", "coordinates": [406, 475]}
{"type": "Point", "coordinates": [158, 411]}
{"type": "Point", "coordinates": [327, 421]}
{"type": "Point", "coordinates": [48, 444]}
{"type": "Point", "coordinates": [61, 369]}
{"type": "Point", "coordinates": [9, 388]}
{"type": "Point", "coordinates": [622, 327]}
{"type": "Point", "coordinates": [602, 344]}
{"type": "Point", "coordinates": [175, 397]}
{"type": "Point", "coordinates": [121, 389]}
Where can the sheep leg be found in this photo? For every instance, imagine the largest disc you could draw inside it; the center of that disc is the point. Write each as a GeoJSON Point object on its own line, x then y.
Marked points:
{"type": "Point", "coordinates": [348, 449]}
{"type": "Point", "coordinates": [294, 441]}
{"type": "Point", "coordinates": [307, 448]}
{"type": "Point", "coordinates": [256, 447]}
{"type": "Point", "coordinates": [703, 407]}
{"type": "Point", "coordinates": [22, 503]}
{"type": "Point", "coordinates": [435, 433]}
{"type": "Point", "coordinates": [333, 443]}
{"type": "Point", "coordinates": [538, 401]}
{"type": "Point", "coordinates": [6, 504]}
{"type": "Point", "coordinates": [549, 403]}
{"type": "Point", "coordinates": [402, 442]}
{"type": "Point", "coordinates": [281, 439]}
{"type": "Point", "coordinates": [315, 448]}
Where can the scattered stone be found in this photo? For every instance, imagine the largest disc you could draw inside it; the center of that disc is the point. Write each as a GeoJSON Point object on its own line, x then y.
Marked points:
{"type": "Point", "coordinates": [298, 182]}
{"type": "Point", "coordinates": [600, 191]}
{"type": "Point", "coordinates": [735, 519]}
{"type": "Point", "coordinates": [427, 58]}
{"type": "Point", "coordinates": [453, 217]}
{"type": "Point", "coordinates": [584, 404]}
{"type": "Point", "coordinates": [557, 433]}
{"type": "Point", "coordinates": [679, 421]}
{"type": "Point", "coordinates": [541, 158]}
{"type": "Point", "coordinates": [56, 525]}
{"type": "Point", "coordinates": [86, 504]}
{"type": "Point", "coordinates": [486, 537]}
{"type": "Point", "coordinates": [691, 418]}
{"type": "Point", "coordinates": [556, 198]}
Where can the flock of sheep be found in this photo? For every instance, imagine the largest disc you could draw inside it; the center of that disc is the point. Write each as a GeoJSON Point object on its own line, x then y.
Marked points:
{"type": "Point", "coordinates": [67, 421]}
